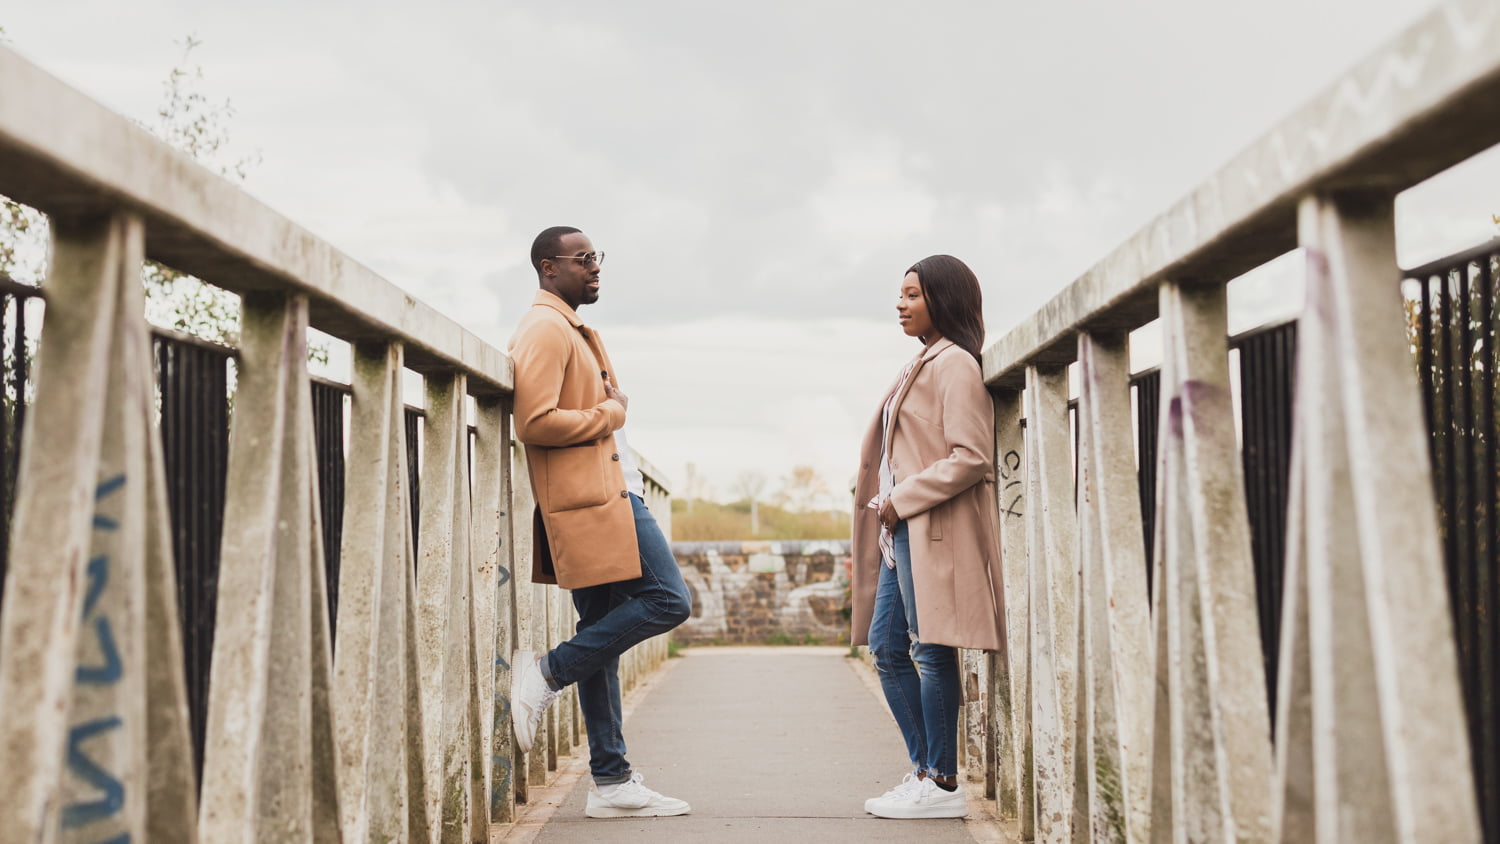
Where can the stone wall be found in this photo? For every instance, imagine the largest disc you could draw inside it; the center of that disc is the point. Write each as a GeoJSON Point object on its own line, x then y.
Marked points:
{"type": "Point", "coordinates": [765, 592]}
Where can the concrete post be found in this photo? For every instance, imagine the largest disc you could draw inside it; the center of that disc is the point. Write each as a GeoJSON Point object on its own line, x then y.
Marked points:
{"type": "Point", "coordinates": [263, 755]}
{"type": "Point", "coordinates": [1114, 619]}
{"type": "Point", "coordinates": [54, 509]}
{"type": "Point", "coordinates": [522, 514]}
{"type": "Point", "coordinates": [548, 739]}
{"type": "Point", "coordinates": [1051, 540]}
{"type": "Point", "coordinates": [1012, 694]}
{"type": "Point", "coordinates": [107, 714]}
{"type": "Point", "coordinates": [326, 825]}
{"type": "Point", "coordinates": [443, 587]}
{"type": "Point", "coordinates": [1389, 750]}
{"type": "Point", "coordinates": [376, 720]}
{"type": "Point", "coordinates": [1212, 729]}
{"type": "Point", "coordinates": [1294, 812]}
{"type": "Point", "coordinates": [493, 606]}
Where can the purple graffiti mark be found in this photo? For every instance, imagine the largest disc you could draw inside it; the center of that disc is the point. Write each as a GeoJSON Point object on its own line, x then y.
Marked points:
{"type": "Point", "coordinates": [1198, 401]}
{"type": "Point", "coordinates": [83, 814]}
{"type": "Point", "coordinates": [1319, 292]}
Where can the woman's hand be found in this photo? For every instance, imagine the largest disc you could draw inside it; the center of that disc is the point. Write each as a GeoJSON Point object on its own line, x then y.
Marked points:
{"type": "Point", "coordinates": [888, 515]}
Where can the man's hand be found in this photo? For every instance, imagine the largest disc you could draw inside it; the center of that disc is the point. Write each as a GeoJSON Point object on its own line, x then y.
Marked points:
{"type": "Point", "coordinates": [611, 392]}
{"type": "Point", "coordinates": [888, 516]}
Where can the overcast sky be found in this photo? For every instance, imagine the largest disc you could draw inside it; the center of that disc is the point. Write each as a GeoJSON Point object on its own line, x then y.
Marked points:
{"type": "Point", "coordinates": [760, 174]}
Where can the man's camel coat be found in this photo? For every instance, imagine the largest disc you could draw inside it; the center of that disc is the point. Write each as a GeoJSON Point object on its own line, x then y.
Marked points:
{"type": "Point", "coordinates": [943, 459]}
{"type": "Point", "coordinates": [584, 522]}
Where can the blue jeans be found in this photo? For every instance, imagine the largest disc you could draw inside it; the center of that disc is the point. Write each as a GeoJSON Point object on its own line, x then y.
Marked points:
{"type": "Point", "coordinates": [613, 617]}
{"type": "Point", "coordinates": [920, 680]}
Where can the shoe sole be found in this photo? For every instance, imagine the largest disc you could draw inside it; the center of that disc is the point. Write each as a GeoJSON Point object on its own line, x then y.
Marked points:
{"type": "Point", "coordinates": [523, 743]}
{"type": "Point", "coordinates": [647, 812]}
{"type": "Point", "coordinates": [920, 814]}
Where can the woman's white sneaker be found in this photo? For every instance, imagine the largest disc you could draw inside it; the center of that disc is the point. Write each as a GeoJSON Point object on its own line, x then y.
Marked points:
{"type": "Point", "coordinates": [908, 782]}
{"type": "Point", "coordinates": [924, 801]}
{"type": "Point", "coordinates": [632, 799]}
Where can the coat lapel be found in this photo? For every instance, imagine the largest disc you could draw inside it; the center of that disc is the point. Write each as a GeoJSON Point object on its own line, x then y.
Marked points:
{"type": "Point", "coordinates": [927, 354]}
{"type": "Point", "coordinates": [597, 346]}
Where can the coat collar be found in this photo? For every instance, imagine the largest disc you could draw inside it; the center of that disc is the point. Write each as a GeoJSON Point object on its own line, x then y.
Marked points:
{"type": "Point", "coordinates": [928, 353]}
{"type": "Point", "coordinates": [553, 301]}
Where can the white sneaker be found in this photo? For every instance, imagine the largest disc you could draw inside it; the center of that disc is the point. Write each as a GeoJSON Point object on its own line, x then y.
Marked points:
{"type": "Point", "coordinates": [529, 697]}
{"type": "Point", "coordinates": [924, 801]}
{"type": "Point", "coordinates": [908, 782]}
{"type": "Point", "coordinates": [632, 799]}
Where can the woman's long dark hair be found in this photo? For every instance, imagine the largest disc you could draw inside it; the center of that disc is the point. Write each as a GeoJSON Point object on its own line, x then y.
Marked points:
{"type": "Point", "coordinates": [953, 300]}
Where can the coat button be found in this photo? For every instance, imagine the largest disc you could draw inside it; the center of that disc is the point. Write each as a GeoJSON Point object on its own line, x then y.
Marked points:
{"type": "Point", "coordinates": [624, 493]}
{"type": "Point", "coordinates": [614, 457]}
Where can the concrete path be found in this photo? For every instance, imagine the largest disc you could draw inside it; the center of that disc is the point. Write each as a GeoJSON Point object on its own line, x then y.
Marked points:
{"type": "Point", "coordinates": [767, 744]}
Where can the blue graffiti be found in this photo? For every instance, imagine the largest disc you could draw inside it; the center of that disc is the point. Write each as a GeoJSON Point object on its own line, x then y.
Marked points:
{"type": "Point", "coordinates": [504, 575]}
{"type": "Point", "coordinates": [83, 814]}
{"type": "Point", "coordinates": [113, 667]}
{"type": "Point", "coordinates": [103, 522]}
{"type": "Point", "coordinates": [501, 663]}
{"type": "Point", "coordinates": [98, 579]}
{"type": "Point", "coordinates": [499, 783]}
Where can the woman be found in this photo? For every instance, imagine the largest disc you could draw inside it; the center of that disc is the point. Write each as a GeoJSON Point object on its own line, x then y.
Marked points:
{"type": "Point", "coordinates": [926, 576]}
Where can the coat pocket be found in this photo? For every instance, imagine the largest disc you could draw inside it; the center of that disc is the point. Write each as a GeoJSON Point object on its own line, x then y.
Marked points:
{"type": "Point", "coordinates": [935, 519]}
{"type": "Point", "coordinates": [575, 477]}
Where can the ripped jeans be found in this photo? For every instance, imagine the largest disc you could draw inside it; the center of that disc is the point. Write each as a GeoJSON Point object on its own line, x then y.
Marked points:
{"type": "Point", "coordinates": [921, 681]}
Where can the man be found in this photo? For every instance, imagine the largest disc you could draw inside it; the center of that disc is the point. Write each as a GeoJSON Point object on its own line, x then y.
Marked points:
{"type": "Point", "coordinates": [593, 533]}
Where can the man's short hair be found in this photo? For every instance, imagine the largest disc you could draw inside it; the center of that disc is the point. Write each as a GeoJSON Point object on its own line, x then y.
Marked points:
{"type": "Point", "coordinates": [547, 243]}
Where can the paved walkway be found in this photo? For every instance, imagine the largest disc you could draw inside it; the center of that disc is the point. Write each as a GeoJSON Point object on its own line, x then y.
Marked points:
{"type": "Point", "coordinates": [767, 744]}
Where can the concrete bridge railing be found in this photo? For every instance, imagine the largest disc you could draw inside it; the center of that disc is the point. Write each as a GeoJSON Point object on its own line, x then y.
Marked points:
{"type": "Point", "coordinates": [1134, 705]}
{"type": "Point", "coordinates": [398, 729]}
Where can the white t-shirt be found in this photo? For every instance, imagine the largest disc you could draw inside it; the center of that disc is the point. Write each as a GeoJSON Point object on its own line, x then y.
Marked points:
{"type": "Point", "coordinates": [634, 480]}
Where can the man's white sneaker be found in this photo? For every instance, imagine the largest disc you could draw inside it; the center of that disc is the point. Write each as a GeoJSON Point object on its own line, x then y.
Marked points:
{"type": "Point", "coordinates": [529, 697]}
{"type": "Point", "coordinates": [908, 782]}
{"type": "Point", "coordinates": [924, 801]}
{"type": "Point", "coordinates": [632, 799]}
